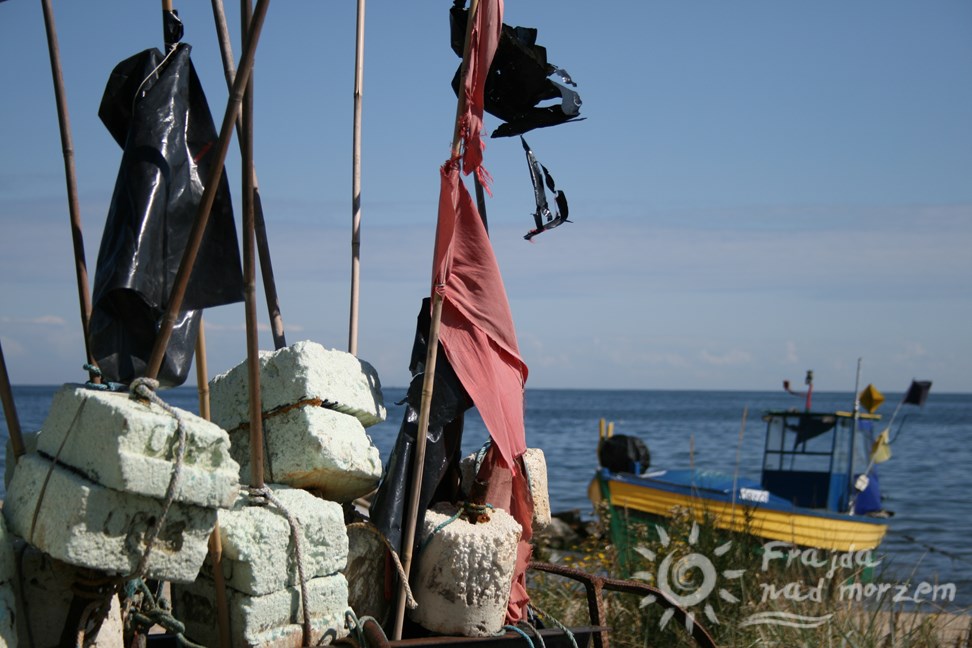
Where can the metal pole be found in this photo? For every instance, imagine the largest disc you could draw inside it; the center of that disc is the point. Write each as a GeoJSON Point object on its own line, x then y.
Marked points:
{"type": "Point", "coordinates": [428, 379]}
{"type": "Point", "coordinates": [356, 182]}
{"type": "Point", "coordinates": [262, 242]}
{"type": "Point", "coordinates": [70, 176]}
{"type": "Point", "coordinates": [202, 215]}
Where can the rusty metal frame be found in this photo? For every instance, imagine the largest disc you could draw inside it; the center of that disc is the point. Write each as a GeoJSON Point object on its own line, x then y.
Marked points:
{"type": "Point", "coordinates": [595, 585]}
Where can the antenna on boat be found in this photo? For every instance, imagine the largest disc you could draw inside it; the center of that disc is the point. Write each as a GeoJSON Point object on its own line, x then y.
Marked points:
{"type": "Point", "coordinates": [70, 176]}
{"type": "Point", "coordinates": [857, 417]}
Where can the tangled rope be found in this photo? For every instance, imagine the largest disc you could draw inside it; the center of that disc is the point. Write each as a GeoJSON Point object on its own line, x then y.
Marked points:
{"type": "Point", "coordinates": [144, 389]}
{"type": "Point", "coordinates": [153, 612]}
{"type": "Point", "coordinates": [263, 495]}
{"type": "Point", "coordinates": [356, 626]}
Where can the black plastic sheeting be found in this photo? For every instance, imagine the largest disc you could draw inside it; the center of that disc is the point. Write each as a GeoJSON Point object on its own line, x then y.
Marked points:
{"type": "Point", "coordinates": [543, 218]}
{"type": "Point", "coordinates": [519, 80]}
{"type": "Point", "coordinates": [155, 108]}
{"type": "Point", "coordinates": [440, 477]}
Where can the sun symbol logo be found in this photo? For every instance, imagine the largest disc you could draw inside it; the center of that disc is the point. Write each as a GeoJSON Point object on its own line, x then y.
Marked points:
{"type": "Point", "coordinates": [687, 579]}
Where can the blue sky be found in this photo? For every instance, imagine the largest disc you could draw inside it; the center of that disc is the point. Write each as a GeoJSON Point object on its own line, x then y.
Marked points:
{"type": "Point", "coordinates": [758, 189]}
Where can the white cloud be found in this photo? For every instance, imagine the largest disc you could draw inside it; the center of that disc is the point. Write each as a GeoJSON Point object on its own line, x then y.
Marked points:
{"type": "Point", "coordinates": [733, 357]}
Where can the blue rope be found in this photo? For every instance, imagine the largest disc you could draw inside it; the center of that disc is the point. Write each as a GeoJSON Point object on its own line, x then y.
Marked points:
{"type": "Point", "coordinates": [108, 386]}
{"type": "Point", "coordinates": [358, 627]}
{"type": "Point", "coordinates": [521, 633]}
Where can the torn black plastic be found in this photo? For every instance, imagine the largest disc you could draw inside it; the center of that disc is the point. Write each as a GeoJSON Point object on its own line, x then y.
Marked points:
{"type": "Point", "coordinates": [440, 476]}
{"type": "Point", "coordinates": [543, 218]}
{"type": "Point", "coordinates": [519, 80]}
{"type": "Point", "coordinates": [155, 108]}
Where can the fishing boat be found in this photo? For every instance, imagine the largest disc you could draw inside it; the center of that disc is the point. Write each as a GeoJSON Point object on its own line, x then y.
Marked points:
{"type": "Point", "coordinates": [810, 492]}
{"type": "Point", "coordinates": [107, 578]}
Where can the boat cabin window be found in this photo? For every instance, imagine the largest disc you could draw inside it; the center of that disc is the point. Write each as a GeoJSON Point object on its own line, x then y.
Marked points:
{"type": "Point", "coordinates": [807, 458]}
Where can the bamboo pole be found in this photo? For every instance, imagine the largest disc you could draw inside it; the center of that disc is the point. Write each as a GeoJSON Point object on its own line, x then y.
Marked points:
{"type": "Point", "coordinates": [202, 371]}
{"type": "Point", "coordinates": [10, 410]}
{"type": "Point", "coordinates": [356, 182]}
{"type": "Point", "coordinates": [249, 274]}
{"type": "Point", "coordinates": [215, 543]}
{"type": "Point", "coordinates": [71, 179]}
{"type": "Point", "coordinates": [262, 242]}
{"type": "Point", "coordinates": [428, 379]}
{"type": "Point", "coordinates": [202, 215]}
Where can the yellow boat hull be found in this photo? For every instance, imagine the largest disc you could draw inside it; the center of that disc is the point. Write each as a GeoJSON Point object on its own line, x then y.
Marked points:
{"type": "Point", "coordinates": [803, 529]}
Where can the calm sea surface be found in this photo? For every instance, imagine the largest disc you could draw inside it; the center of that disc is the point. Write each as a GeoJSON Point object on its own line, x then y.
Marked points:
{"type": "Point", "coordinates": [927, 482]}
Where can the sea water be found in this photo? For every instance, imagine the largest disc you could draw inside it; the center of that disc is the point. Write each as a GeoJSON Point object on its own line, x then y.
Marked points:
{"type": "Point", "coordinates": [927, 482]}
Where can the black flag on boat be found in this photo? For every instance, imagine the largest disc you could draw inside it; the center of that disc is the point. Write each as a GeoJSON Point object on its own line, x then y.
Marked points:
{"type": "Point", "coordinates": [917, 393]}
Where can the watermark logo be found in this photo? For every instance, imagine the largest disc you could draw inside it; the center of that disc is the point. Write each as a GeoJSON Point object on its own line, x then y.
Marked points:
{"type": "Point", "coordinates": [687, 579]}
{"type": "Point", "coordinates": [690, 579]}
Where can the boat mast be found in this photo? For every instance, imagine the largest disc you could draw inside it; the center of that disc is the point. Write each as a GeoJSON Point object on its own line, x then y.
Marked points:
{"type": "Point", "coordinates": [853, 446]}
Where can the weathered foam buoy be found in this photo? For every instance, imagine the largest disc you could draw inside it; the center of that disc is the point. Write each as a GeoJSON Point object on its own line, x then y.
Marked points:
{"type": "Point", "coordinates": [258, 550]}
{"type": "Point", "coordinates": [129, 445]}
{"type": "Point", "coordinates": [365, 572]}
{"type": "Point", "coordinates": [304, 371]}
{"type": "Point", "coordinates": [269, 621]}
{"type": "Point", "coordinates": [464, 574]}
{"type": "Point", "coordinates": [46, 595]}
{"type": "Point", "coordinates": [536, 469]}
{"type": "Point", "coordinates": [88, 525]}
{"type": "Point", "coordinates": [8, 583]}
{"type": "Point", "coordinates": [317, 449]}
{"type": "Point", "coordinates": [315, 403]}
{"type": "Point", "coordinates": [261, 576]}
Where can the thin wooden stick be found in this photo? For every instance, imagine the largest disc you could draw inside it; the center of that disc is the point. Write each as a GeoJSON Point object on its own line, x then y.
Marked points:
{"type": "Point", "coordinates": [428, 379]}
{"type": "Point", "coordinates": [202, 371]}
{"type": "Point", "coordinates": [262, 242]}
{"type": "Point", "coordinates": [10, 410]}
{"type": "Point", "coordinates": [249, 276]}
{"type": "Point", "coordinates": [215, 543]}
{"type": "Point", "coordinates": [205, 207]}
{"type": "Point", "coordinates": [71, 179]}
{"type": "Point", "coordinates": [356, 182]}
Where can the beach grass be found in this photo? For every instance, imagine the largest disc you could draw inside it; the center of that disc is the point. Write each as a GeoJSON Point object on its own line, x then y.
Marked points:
{"type": "Point", "coordinates": [746, 592]}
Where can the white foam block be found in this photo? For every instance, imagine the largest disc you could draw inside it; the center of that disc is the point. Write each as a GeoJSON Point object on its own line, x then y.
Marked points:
{"type": "Point", "coordinates": [536, 469]}
{"type": "Point", "coordinates": [269, 621]}
{"type": "Point", "coordinates": [8, 616]}
{"type": "Point", "coordinates": [366, 573]}
{"type": "Point", "coordinates": [300, 372]}
{"type": "Point", "coordinates": [258, 550]}
{"type": "Point", "coordinates": [129, 445]}
{"type": "Point", "coordinates": [87, 525]}
{"type": "Point", "coordinates": [46, 595]}
{"type": "Point", "coordinates": [8, 574]}
{"type": "Point", "coordinates": [464, 575]}
{"type": "Point", "coordinates": [314, 448]}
